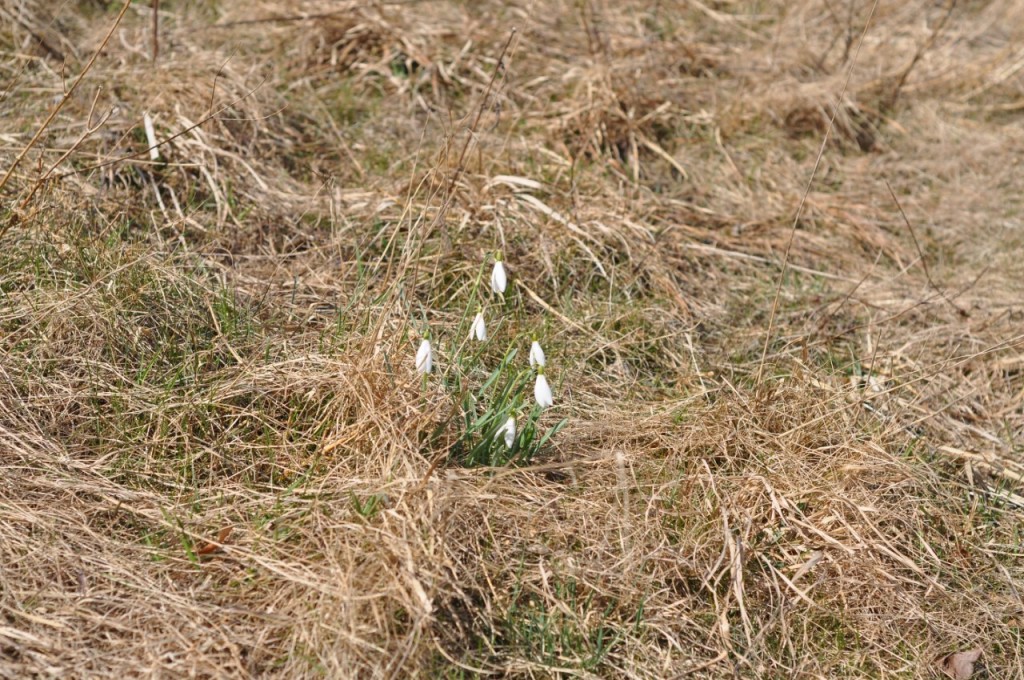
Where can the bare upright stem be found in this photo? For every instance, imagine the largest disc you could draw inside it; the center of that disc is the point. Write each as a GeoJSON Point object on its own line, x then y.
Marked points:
{"type": "Point", "coordinates": [156, 29]}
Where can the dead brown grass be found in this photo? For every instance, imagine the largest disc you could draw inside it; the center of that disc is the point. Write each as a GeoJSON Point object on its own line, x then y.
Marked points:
{"type": "Point", "coordinates": [216, 460]}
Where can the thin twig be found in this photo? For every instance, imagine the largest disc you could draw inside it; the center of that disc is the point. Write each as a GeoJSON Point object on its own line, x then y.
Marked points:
{"type": "Point", "coordinates": [920, 254]}
{"type": "Point", "coordinates": [807, 191]}
{"type": "Point", "coordinates": [143, 152]}
{"type": "Point", "coordinates": [460, 164]}
{"type": "Point", "coordinates": [895, 94]}
{"type": "Point", "coordinates": [62, 102]}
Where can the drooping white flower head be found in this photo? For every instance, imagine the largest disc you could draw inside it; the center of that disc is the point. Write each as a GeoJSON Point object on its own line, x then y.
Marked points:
{"type": "Point", "coordinates": [479, 329]}
{"type": "Point", "coordinates": [536, 354]}
{"type": "Point", "coordinates": [499, 281]}
{"type": "Point", "coordinates": [424, 357]}
{"type": "Point", "coordinates": [541, 390]}
{"type": "Point", "coordinates": [508, 431]}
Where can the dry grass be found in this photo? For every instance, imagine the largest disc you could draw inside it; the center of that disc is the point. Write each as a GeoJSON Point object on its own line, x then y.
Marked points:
{"type": "Point", "coordinates": [217, 460]}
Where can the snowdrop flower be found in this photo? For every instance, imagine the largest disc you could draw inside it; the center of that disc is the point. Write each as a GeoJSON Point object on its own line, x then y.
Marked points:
{"type": "Point", "coordinates": [508, 431]}
{"type": "Point", "coordinates": [536, 353]}
{"type": "Point", "coordinates": [479, 329]}
{"type": "Point", "coordinates": [424, 357]}
{"type": "Point", "coordinates": [541, 390]}
{"type": "Point", "coordinates": [498, 279]}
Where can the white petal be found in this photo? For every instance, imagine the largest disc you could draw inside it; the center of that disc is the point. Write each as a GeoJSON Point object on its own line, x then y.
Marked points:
{"type": "Point", "coordinates": [542, 392]}
{"type": "Point", "coordinates": [536, 355]}
{"type": "Point", "coordinates": [498, 279]}
{"type": "Point", "coordinates": [424, 357]}
{"type": "Point", "coordinates": [479, 329]}
{"type": "Point", "coordinates": [508, 430]}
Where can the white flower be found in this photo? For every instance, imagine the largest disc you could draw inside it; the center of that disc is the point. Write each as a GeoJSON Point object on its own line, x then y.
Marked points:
{"type": "Point", "coordinates": [424, 357]}
{"type": "Point", "coordinates": [536, 354]}
{"type": "Point", "coordinates": [479, 328]}
{"type": "Point", "coordinates": [498, 279]}
{"type": "Point", "coordinates": [508, 431]}
{"type": "Point", "coordinates": [542, 391]}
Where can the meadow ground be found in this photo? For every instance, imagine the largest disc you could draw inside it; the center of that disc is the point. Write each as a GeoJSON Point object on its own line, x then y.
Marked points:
{"type": "Point", "coordinates": [774, 252]}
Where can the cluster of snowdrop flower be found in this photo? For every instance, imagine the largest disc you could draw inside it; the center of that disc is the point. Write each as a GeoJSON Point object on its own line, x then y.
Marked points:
{"type": "Point", "coordinates": [478, 331]}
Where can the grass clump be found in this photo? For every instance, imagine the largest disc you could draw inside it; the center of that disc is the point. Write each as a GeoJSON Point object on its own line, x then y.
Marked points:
{"type": "Point", "coordinates": [486, 411]}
